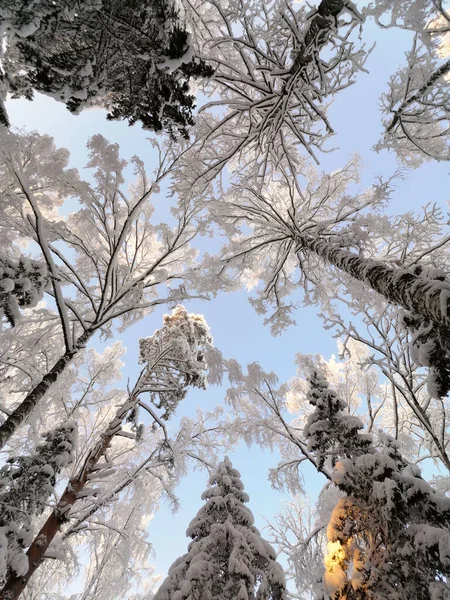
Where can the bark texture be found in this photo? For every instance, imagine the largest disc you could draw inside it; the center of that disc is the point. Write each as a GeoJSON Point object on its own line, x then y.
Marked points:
{"type": "Point", "coordinates": [19, 414]}
{"type": "Point", "coordinates": [415, 293]}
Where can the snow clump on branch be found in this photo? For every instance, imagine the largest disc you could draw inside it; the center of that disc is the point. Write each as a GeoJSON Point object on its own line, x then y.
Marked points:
{"type": "Point", "coordinates": [22, 284]}
{"type": "Point", "coordinates": [175, 354]}
{"type": "Point", "coordinates": [26, 484]}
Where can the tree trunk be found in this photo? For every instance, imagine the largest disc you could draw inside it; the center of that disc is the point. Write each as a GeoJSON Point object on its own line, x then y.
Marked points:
{"type": "Point", "coordinates": [14, 585]}
{"type": "Point", "coordinates": [427, 297]}
{"type": "Point", "coordinates": [18, 416]}
{"type": "Point", "coordinates": [4, 120]}
{"type": "Point", "coordinates": [320, 26]}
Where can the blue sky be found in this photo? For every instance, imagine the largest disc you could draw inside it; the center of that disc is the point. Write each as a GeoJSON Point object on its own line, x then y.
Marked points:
{"type": "Point", "coordinates": [238, 332]}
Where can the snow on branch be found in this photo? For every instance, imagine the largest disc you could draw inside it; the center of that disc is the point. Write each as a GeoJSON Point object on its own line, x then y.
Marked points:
{"type": "Point", "coordinates": [410, 555]}
{"type": "Point", "coordinates": [276, 71]}
{"type": "Point", "coordinates": [107, 259]}
{"type": "Point", "coordinates": [417, 103]}
{"type": "Point", "coordinates": [132, 58]}
{"type": "Point", "coordinates": [26, 486]}
{"type": "Point", "coordinates": [22, 285]}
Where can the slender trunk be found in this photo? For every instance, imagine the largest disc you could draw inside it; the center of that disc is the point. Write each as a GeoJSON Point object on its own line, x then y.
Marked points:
{"type": "Point", "coordinates": [105, 500]}
{"type": "Point", "coordinates": [4, 119]}
{"type": "Point", "coordinates": [19, 414]}
{"type": "Point", "coordinates": [14, 585]}
{"type": "Point", "coordinates": [429, 298]}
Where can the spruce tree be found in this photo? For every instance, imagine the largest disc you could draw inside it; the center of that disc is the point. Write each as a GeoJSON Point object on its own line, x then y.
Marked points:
{"type": "Point", "coordinates": [389, 534]}
{"type": "Point", "coordinates": [227, 558]}
{"type": "Point", "coordinates": [26, 486]}
{"type": "Point", "coordinates": [22, 285]}
{"type": "Point", "coordinates": [329, 429]}
{"type": "Point", "coordinates": [131, 57]}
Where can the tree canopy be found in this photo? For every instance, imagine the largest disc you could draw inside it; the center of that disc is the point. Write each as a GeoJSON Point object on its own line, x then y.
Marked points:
{"type": "Point", "coordinates": [132, 58]}
{"type": "Point", "coordinates": [311, 181]}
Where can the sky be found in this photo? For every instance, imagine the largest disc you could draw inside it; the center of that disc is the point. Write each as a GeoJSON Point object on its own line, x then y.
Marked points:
{"type": "Point", "coordinates": [237, 330]}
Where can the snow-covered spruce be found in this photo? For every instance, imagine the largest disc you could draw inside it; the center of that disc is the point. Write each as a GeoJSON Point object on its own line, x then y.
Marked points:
{"type": "Point", "coordinates": [329, 427]}
{"type": "Point", "coordinates": [389, 535]}
{"type": "Point", "coordinates": [26, 485]}
{"type": "Point", "coordinates": [227, 559]}
{"type": "Point", "coordinates": [132, 58]}
{"type": "Point", "coordinates": [22, 285]}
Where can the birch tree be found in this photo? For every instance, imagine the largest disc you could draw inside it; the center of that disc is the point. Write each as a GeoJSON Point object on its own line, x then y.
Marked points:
{"type": "Point", "coordinates": [118, 546]}
{"type": "Point", "coordinates": [173, 360]}
{"type": "Point", "coordinates": [107, 260]}
{"type": "Point", "coordinates": [283, 235]}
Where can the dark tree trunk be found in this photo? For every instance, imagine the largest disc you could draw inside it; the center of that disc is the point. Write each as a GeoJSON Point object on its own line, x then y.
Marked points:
{"type": "Point", "coordinates": [14, 585]}
{"type": "Point", "coordinates": [320, 26]}
{"type": "Point", "coordinates": [18, 416]}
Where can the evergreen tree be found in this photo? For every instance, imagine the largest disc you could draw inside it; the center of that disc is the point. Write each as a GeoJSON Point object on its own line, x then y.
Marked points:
{"type": "Point", "coordinates": [26, 485]}
{"type": "Point", "coordinates": [22, 284]}
{"type": "Point", "coordinates": [131, 58]}
{"type": "Point", "coordinates": [389, 535]}
{"type": "Point", "coordinates": [227, 559]}
{"type": "Point", "coordinates": [329, 429]}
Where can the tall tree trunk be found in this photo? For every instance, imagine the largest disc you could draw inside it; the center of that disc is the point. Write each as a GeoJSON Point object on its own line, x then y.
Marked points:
{"type": "Point", "coordinates": [19, 414]}
{"type": "Point", "coordinates": [4, 120]}
{"type": "Point", "coordinates": [14, 585]}
{"type": "Point", "coordinates": [321, 25]}
{"type": "Point", "coordinates": [427, 297]}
